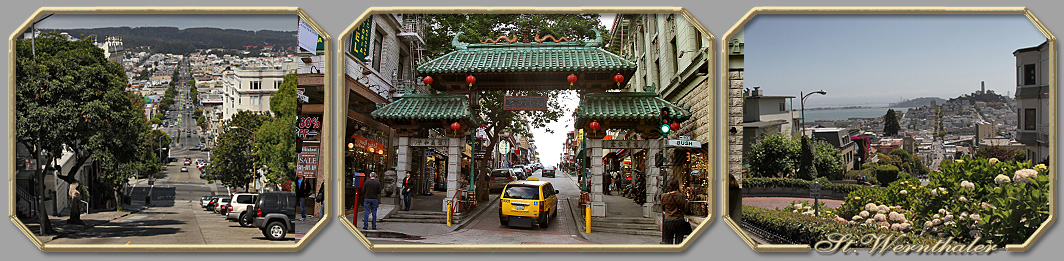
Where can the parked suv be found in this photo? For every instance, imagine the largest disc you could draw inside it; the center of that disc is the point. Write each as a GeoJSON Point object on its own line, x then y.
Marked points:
{"type": "Point", "coordinates": [238, 208]}
{"type": "Point", "coordinates": [275, 214]}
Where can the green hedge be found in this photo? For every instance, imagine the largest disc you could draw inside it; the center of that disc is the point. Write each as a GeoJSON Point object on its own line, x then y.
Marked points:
{"type": "Point", "coordinates": [810, 229]}
{"type": "Point", "coordinates": [798, 183]}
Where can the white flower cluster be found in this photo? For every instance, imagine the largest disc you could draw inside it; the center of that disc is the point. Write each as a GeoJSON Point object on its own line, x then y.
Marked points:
{"type": "Point", "coordinates": [993, 161]}
{"type": "Point", "coordinates": [1025, 175]}
{"type": "Point", "coordinates": [967, 185]}
{"type": "Point", "coordinates": [883, 216]}
{"type": "Point", "coordinates": [1001, 179]}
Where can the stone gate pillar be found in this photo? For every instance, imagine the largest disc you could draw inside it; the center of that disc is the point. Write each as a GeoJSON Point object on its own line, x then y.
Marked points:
{"type": "Point", "coordinates": [598, 206]}
{"type": "Point", "coordinates": [403, 159]}
{"type": "Point", "coordinates": [653, 178]}
{"type": "Point", "coordinates": [453, 157]}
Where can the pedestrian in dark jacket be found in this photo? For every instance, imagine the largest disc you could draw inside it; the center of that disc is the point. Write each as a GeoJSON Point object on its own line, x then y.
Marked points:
{"type": "Point", "coordinates": [302, 192]}
{"type": "Point", "coordinates": [370, 191]}
{"type": "Point", "coordinates": [407, 190]}
{"type": "Point", "coordinates": [606, 182]}
{"type": "Point", "coordinates": [674, 226]}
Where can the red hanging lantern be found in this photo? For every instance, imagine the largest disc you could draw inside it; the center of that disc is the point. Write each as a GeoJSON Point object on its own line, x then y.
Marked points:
{"type": "Point", "coordinates": [471, 80]}
{"type": "Point", "coordinates": [594, 125]}
{"type": "Point", "coordinates": [427, 80]}
{"type": "Point", "coordinates": [618, 78]}
{"type": "Point", "coordinates": [455, 126]}
{"type": "Point", "coordinates": [674, 126]}
{"type": "Point", "coordinates": [571, 79]}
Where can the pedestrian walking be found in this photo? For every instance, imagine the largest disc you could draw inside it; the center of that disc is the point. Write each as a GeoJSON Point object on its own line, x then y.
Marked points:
{"type": "Point", "coordinates": [674, 226]}
{"type": "Point", "coordinates": [408, 194]}
{"type": "Point", "coordinates": [606, 182]}
{"type": "Point", "coordinates": [302, 192]}
{"type": "Point", "coordinates": [370, 190]}
{"type": "Point", "coordinates": [321, 201]}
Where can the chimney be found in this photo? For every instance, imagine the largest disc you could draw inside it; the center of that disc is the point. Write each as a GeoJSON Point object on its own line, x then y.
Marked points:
{"type": "Point", "coordinates": [757, 91]}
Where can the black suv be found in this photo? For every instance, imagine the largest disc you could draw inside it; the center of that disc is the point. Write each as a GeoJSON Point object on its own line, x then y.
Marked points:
{"type": "Point", "coordinates": [275, 214]}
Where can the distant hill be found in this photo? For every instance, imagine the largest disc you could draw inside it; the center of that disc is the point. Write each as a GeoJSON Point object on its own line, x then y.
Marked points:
{"type": "Point", "coordinates": [977, 96]}
{"type": "Point", "coordinates": [919, 102]}
{"type": "Point", "coordinates": [184, 41]}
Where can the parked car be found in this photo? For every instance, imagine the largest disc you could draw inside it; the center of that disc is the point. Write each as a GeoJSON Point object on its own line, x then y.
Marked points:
{"type": "Point", "coordinates": [519, 172]}
{"type": "Point", "coordinates": [222, 205]}
{"type": "Point", "coordinates": [238, 208]}
{"type": "Point", "coordinates": [499, 178]}
{"type": "Point", "coordinates": [213, 203]}
{"type": "Point", "coordinates": [548, 170]}
{"type": "Point", "coordinates": [184, 169]}
{"type": "Point", "coordinates": [528, 202]}
{"type": "Point", "coordinates": [204, 200]}
{"type": "Point", "coordinates": [275, 214]}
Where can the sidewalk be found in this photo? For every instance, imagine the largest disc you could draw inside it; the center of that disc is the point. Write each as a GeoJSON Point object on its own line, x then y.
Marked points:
{"type": "Point", "coordinates": [616, 206]}
{"type": "Point", "coordinates": [62, 229]}
{"type": "Point", "coordinates": [402, 229]}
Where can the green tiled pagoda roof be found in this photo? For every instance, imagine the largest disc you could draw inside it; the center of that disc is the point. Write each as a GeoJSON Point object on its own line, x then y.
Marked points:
{"type": "Point", "coordinates": [425, 107]}
{"type": "Point", "coordinates": [625, 106]}
{"type": "Point", "coordinates": [526, 57]}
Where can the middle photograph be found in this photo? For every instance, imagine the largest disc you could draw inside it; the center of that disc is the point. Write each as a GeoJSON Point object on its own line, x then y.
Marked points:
{"type": "Point", "coordinates": [569, 128]}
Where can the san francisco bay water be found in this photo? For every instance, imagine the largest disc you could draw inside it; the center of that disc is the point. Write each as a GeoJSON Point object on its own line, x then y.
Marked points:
{"type": "Point", "coordinates": [843, 114]}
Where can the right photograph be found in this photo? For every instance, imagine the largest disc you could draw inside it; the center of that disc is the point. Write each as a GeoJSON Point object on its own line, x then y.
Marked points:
{"type": "Point", "coordinates": [932, 129]}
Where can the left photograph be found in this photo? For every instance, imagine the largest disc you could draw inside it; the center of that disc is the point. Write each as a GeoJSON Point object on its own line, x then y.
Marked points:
{"type": "Point", "coordinates": [168, 129]}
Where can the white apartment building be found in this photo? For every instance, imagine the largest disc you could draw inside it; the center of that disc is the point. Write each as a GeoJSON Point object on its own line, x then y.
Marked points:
{"type": "Point", "coordinates": [1032, 98]}
{"type": "Point", "coordinates": [250, 88]}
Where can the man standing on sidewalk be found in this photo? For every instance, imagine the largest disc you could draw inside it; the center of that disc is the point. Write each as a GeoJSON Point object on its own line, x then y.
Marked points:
{"type": "Point", "coordinates": [302, 191]}
{"type": "Point", "coordinates": [370, 190]}
{"type": "Point", "coordinates": [407, 190]}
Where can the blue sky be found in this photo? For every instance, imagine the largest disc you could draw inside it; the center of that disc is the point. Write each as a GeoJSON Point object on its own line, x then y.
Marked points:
{"type": "Point", "coordinates": [879, 59]}
{"type": "Point", "coordinates": [251, 22]}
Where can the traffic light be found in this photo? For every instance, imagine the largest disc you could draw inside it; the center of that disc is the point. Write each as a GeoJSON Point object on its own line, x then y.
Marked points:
{"type": "Point", "coordinates": [665, 120]}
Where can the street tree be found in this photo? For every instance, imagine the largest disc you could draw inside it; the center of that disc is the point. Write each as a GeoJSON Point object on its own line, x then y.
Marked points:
{"type": "Point", "coordinates": [828, 160]}
{"type": "Point", "coordinates": [234, 161]}
{"type": "Point", "coordinates": [276, 138]}
{"type": "Point", "coordinates": [890, 123]}
{"type": "Point", "coordinates": [476, 27]}
{"type": "Point", "coordinates": [193, 91]}
{"type": "Point", "coordinates": [69, 98]}
{"type": "Point", "coordinates": [806, 169]}
{"type": "Point", "coordinates": [772, 156]}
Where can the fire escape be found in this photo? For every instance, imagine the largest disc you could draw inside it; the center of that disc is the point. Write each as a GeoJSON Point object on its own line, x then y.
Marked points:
{"type": "Point", "coordinates": [413, 26]}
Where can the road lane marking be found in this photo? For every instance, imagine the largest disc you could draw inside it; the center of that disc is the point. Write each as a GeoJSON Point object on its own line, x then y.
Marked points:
{"type": "Point", "coordinates": [127, 242]}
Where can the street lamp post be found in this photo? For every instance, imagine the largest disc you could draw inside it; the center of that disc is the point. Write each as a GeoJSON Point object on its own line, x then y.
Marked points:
{"type": "Point", "coordinates": [806, 95]}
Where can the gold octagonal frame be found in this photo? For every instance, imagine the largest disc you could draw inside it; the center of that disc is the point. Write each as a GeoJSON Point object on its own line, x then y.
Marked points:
{"type": "Point", "coordinates": [326, 139]}
{"type": "Point", "coordinates": [517, 248]}
{"type": "Point", "coordinates": [729, 146]}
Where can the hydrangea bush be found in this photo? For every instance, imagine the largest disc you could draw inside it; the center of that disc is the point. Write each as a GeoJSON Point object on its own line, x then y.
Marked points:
{"type": "Point", "coordinates": [997, 201]}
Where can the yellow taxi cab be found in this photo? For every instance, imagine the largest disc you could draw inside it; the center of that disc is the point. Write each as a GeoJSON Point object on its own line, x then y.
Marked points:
{"type": "Point", "coordinates": [528, 202]}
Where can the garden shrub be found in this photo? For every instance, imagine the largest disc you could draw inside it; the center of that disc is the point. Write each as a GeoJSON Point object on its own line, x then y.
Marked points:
{"type": "Point", "coordinates": [886, 173]}
{"type": "Point", "coordinates": [809, 229]}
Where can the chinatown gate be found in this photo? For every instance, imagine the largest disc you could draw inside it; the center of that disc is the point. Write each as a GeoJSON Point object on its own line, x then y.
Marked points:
{"type": "Point", "coordinates": [531, 63]}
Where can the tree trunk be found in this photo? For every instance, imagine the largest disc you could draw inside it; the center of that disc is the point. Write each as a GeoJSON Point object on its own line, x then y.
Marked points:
{"type": "Point", "coordinates": [75, 197]}
{"type": "Point", "coordinates": [42, 212]}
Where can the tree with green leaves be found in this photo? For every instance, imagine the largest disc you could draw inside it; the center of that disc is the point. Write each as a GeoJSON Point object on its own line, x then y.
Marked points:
{"type": "Point", "coordinates": [806, 169]}
{"type": "Point", "coordinates": [890, 123]}
{"type": "Point", "coordinates": [828, 160]}
{"type": "Point", "coordinates": [69, 98]}
{"type": "Point", "coordinates": [234, 161]}
{"type": "Point", "coordinates": [771, 156]}
{"type": "Point", "coordinates": [276, 138]}
{"type": "Point", "coordinates": [476, 27]}
{"type": "Point", "coordinates": [193, 91]}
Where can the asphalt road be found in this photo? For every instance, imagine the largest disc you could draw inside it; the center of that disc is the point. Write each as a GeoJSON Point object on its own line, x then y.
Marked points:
{"type": "Point", "coordinates": [486, 228]}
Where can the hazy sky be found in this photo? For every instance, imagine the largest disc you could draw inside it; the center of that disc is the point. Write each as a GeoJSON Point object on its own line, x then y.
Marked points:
{"type": "Point", "coordinates": [879, 59]}
{"type": "Point", "coordinates": [251, 22]}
